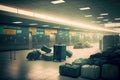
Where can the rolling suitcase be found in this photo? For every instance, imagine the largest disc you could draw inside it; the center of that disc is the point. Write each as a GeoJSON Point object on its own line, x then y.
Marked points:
{"type": "Point", "coordinates": [59, 52]}
{"type": "Point", "coordinates": [46, 49]}
{"type": "Point", "coordinates": [90, 71]}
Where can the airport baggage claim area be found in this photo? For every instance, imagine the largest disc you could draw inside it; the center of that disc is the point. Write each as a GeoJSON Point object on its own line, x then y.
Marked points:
{"type": "Point", "coordinates": [59, 40]}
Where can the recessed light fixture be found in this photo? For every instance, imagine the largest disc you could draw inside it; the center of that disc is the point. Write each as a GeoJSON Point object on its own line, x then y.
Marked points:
{"type": "Point", "coordinates": [57, 1]}
{"type": "Point", "coordinates": [85, 8]}
{"type": "Point", "coordinates": [17, 22]}
{"type": "Point", "coordinates": [56, 27]}
{"type": "Point", "coordinates": [66, 28]}
{"type": "Point", "coordinates": [33, 24]}
{"type": "Point", "coordinates": [100, 17]}
{"type": "Point", "coordinates": [45, 25]}
{"type": "Point", "coordinates": [88, 15]}
{"type": "Point", "coordinates": [117, 19]}
{"type": "Point", "coordinates": [104, 14]}
{"type": "Point", "coordinates": [105, 20]}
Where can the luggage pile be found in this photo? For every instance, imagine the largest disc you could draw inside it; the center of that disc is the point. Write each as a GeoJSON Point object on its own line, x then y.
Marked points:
{"type": "Point", "coordinates": [82, 45]}
{"type": "Point", "coordinates": [104, 66]}
{"type": "Point", "coordinates": [45, 54]}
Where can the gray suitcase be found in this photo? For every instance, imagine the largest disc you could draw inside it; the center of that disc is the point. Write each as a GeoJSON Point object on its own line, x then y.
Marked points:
{"type": "Point", "coordinates": [90, 71]}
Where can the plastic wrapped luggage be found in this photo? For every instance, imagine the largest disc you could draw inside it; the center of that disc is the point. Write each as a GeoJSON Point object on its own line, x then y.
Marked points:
{"type": "Point", "coordinates": [110, 72]}
{"type": "Point", "coordinates": [90, 71]}
{"type": "Point", "coordinates": [47, 57]}
{"type": "Point", "coordinates": [46, 49]}
{"type": "Point", "coordinates": [69, 70]}
{"type": "Point", "coordinates": [69, 53]}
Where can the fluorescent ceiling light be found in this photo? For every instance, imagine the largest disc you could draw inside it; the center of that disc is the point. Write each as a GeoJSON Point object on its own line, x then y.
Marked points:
{"type": "Point", "coordinates": [45, 25]}
{"type": "Point", "coordinates": [17, 22]}
{"type": "Point", "coordinates": [56, 27]}
{"type": "Point", "coordinates": [105, 20]}
{"type": "Point", "coordinates": [100, 17]}
{"type": "Point", "coordinates": [33, 24]}
{"type": "Point", "coordinates": [66, 28]}
{"type": "Point", "coordinates": [57, 1]}
{"type": "Point", "coordinates": [104, 14]}
{"type": "Point", "coordinates": [117, 19]}
{"type": "Point", "coordinates": [88, 15]}
{"type": "Point", "coordinates": [112, 25]}
{"type": "Point", "coordinates": [85, 8]}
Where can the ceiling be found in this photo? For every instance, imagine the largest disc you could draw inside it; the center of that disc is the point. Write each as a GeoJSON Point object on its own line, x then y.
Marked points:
{"type": "Point", "coordinates": [69, 10]}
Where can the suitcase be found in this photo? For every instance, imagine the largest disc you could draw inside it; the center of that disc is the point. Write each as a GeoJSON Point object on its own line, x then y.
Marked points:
{"type": "Point", "coordinates": [46, 49]}
{"type": "Point", "coordinates": [69, 53]}
{"type": "Point", "coordinates": [59, 52]}
{"type": "Point", "coordinates": [30, 56]}
{"type": "Point", "coordinates": [69, 70]}
{"type": "Point", "coordinates": [110, 72]}
{"type": "Point", "coordinates": [47, 57]}
{"type": "Point", "coordinates": [37, 55]}
{"type": "Point", "coordinates": [90, 71]}
{"type": "Point", "coordinates": [34, 55]}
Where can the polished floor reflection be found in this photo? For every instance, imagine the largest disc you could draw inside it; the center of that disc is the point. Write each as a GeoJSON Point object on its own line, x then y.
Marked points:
{"type": "Point", "coordinates": [14, 66]}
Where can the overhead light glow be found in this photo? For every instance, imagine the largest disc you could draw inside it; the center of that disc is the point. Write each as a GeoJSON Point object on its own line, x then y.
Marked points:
{"type": "Point", "coordinates": [85, 8]}
{"type": "Point", "coordinates": [117, 19]}
{"type": "Point", "coordinates": [104, 14]}
{"type": "Point", "coordinates": [57, 1]}
{"type": "Point", "coordinates": [88, 15]}
{"type": "Point", "coordinates": [33, 24]}
{"type": "Point", "coordinates": [17, 22]}
{"type": "Point", "coordinates": [100, 17]}
{"type": "Point", "coordinates": [8, 9]}
{"type": "Point", "coordinates": [62, 21]}
{"type": "Point", "coordinates": [27, 13]}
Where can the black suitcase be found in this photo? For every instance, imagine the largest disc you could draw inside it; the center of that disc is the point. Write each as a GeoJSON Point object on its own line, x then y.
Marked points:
{"type": "Point", "coordinates": [46, 49]}
{"type": "Point", "coordinates": [59, 52]}
{"type": "Point", "coordinates": [69, 70]}
{"type": "Point", "coordinates": [34, 55]}
{"type": "Point", "coordinates": [69, 53]}
{"type": "Point", "coordinates": [47, 57]}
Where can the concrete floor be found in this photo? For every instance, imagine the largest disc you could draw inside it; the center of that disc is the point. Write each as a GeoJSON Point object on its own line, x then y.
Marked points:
{"type": "Point", "coordinates": [16, 67]}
